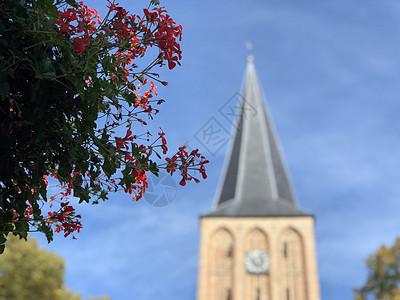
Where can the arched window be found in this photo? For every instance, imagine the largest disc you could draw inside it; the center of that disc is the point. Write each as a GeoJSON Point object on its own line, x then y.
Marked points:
{"type": "Point", "coordinates": [222, 268]}
{"type": "Point", "coordinates": [257, 281]}
{"type": "Point", "coordinates": [292, 272]}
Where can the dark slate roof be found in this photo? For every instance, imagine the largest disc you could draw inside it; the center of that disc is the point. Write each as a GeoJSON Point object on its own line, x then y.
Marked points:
{"type": "Point", "coordinates": [256, 182]}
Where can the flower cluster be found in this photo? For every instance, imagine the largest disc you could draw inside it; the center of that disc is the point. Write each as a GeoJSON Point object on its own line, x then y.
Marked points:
{"type": "Point", "coordinates": [128, 34]}
{"type": "Point", "coordinates": [126, 37]}
{"type": "Point", "coordinates": [79, 23]}
{"type": "Point", "coordinates": [184, 162]}
{"type": "Point", "coordinates": [65, 219]}
{"type": "Point", "coordinates": [96, 102]}
{"type": "Point", "coordinates": [165, 35]}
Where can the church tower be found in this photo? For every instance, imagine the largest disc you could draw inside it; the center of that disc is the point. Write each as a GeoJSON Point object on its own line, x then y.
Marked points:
{"type": "Point", "coordinates": [256, 243]}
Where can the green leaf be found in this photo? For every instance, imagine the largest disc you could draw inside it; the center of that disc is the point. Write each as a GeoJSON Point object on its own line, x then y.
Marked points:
{"type": "Point", "coordinates": [45, 4]}
{"type": "Point", "coordinates": [81, 193]}
{"type": "Point", "coordinates": [109, 167]}
{"type": "Point", "coordinates": [103, 195]}
{"type": "Point", "coordinates": [45, 228]}
{"type": "Point", "coordinates": [127, 180]}
{"type": "Point", "coordinates": [43, 68]}
{"type": "Point", "coordinates": [130, 98]}
{"type": "Point", "coordinates": [4, 90]}
{"type": "Point", "coordinates": [22, 228]}
{"type": "Point", "coordinates": [153, 168]}
{"type": "Point", "coordinates": [21, 13]}
{"type": "Point", "coordinates": [36, 209]}
{"type": "Point", "coordinates": [127, 170]}
{"type": "Point", "coordinates": [43, 191]}
{"type": "Point", "coordinates": [135, 150]}
{"type": "Point", "coordinates": [72, 3]}
{"type": "Point", "coordinates": [78, 181]}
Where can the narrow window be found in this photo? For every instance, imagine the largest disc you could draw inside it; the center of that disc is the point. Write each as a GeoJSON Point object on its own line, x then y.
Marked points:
{"type": "Point", "coordinates": [285, 250]}
{"type": "Point", "coordinates": [228, 294]}
{"type": "Point", "coordinates": [229, 251]}
{"type": "Point", "coordinates": [222, 266]}
{"type": "Point", "coordinates": [292, 271]}
{"type": "Point", "coordinates": [258, 294]}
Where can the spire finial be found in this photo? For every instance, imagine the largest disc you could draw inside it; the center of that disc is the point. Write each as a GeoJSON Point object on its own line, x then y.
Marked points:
{"type": "Point", "coordinates": [249, 47]}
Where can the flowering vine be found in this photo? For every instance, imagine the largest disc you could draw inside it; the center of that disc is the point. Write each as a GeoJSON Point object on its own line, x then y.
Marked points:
{"type": "Point", "coordinates": [71, 91]}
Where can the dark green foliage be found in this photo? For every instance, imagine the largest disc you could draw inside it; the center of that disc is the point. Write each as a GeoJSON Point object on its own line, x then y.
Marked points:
{"type": "Point", "coordinates": [67, 81]}
{"type": "Point", "coordinates": [48, 115]}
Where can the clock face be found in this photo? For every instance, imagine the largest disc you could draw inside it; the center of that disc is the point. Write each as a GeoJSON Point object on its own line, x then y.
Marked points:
{"type": "Point", "coordinates": [257, 262]}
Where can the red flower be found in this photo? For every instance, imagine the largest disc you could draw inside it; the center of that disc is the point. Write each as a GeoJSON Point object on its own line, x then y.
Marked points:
{"type": "Point", "coordinates": [81, 44]}
{"type": "Point", "coordinates": [123, 141]}
{"type": "Point", "coordinates": [171, 64]}
{"type": "Point", "coordinates": [163, 141]}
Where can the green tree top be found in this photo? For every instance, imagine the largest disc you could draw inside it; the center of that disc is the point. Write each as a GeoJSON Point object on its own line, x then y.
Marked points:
{"type": "Point", "coordinates": [383, 279]}
{"type": "Point", "coordinates": [28, 271]}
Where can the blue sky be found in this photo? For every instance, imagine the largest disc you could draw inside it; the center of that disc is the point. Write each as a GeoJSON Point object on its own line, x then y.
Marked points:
{"type": "Point", "coordinates": [330, 73]}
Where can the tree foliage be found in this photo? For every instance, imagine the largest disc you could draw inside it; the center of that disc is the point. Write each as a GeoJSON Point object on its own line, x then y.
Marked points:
{"type": "Point", "coordinates": [74, 104]}
{"type": "Point", "coordinates": [30, 272]}
{"type": "Point", "coordinates": [383, 281]}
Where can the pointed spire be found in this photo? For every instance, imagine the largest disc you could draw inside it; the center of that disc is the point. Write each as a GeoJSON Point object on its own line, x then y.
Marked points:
{"type": "Point", "coordinates": [256, 182]}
